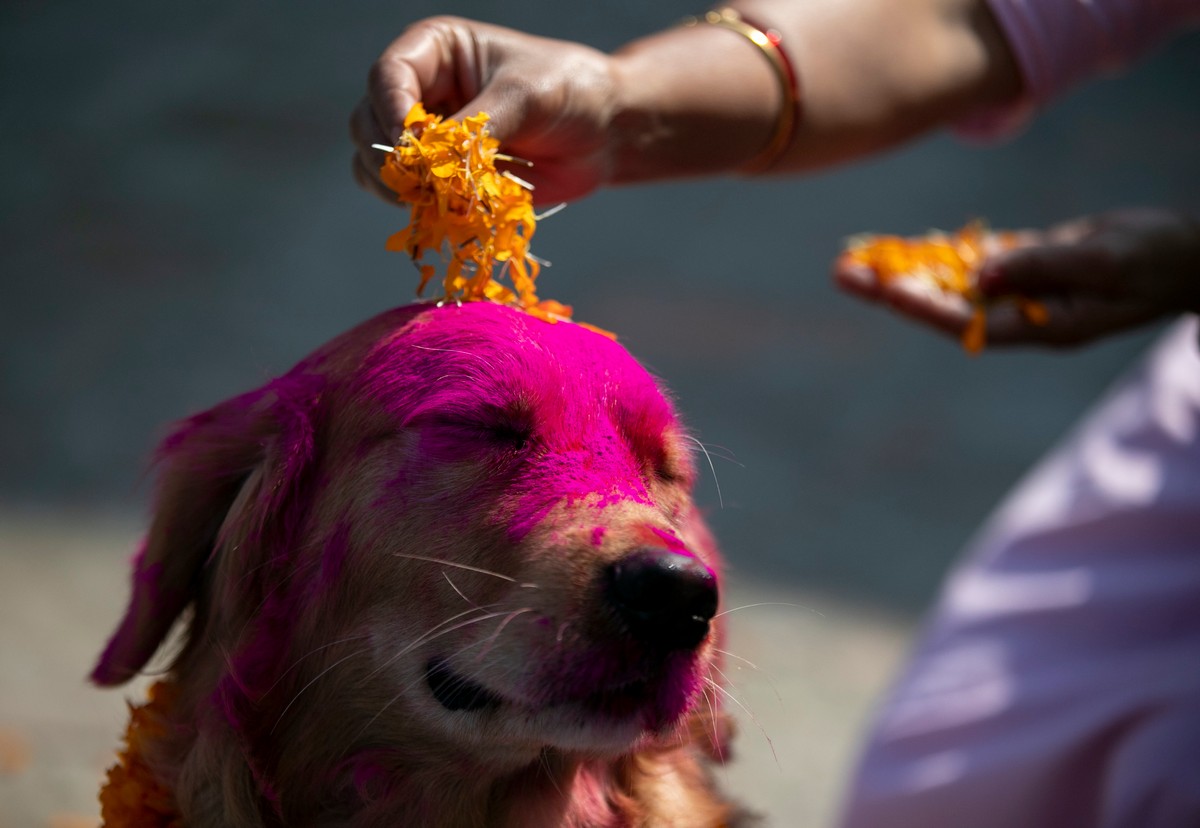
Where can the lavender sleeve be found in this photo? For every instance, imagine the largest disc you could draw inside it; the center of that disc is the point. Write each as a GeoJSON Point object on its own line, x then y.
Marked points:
{"type": "Point", "coordinates": [1059, 43]}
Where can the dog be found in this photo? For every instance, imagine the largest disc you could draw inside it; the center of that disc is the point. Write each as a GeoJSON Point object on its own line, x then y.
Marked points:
{"type": "Point", "coordinates": [445, 572]}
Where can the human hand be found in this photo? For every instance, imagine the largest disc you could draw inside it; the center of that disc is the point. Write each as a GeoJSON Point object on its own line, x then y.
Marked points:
{"type": "Point", "coordinates": [550, 101]}
{"type": "Point", "coordinates": [1095, 276]}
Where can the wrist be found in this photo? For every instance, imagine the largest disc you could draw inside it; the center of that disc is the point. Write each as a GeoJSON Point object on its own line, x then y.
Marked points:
{"type": "Point", "coordinates": [769, 42]}
{"type": "Point", "coordinates": [690, 101]}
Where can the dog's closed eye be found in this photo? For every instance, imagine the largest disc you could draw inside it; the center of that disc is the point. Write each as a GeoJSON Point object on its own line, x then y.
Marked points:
{"type": "Point", "coordinates": [511, 434]}
{"type": "Point", "coordinates": [497, 428]}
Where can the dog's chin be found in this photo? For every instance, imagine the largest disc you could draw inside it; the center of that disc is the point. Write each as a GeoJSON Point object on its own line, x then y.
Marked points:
{"type": "Point", "coordinates": [607, 720]}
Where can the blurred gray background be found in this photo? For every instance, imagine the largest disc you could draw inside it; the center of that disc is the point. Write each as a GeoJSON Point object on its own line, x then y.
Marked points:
{"type": "Point", "coordinates": [178, 223]}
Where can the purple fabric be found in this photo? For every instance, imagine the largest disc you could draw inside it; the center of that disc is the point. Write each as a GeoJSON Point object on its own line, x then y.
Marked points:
{"type": "Point", "coordinates": [1059, 43]}
{"type": "Point", "coordinates": [1058, 682]}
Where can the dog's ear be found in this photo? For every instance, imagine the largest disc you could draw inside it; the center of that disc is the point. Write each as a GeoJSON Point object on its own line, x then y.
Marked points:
{"type": "Point", "coordinates": [238, 461]}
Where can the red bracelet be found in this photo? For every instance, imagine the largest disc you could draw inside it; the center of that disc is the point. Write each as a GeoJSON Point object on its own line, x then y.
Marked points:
{"type": "Point", "coordinates": [770, 43]}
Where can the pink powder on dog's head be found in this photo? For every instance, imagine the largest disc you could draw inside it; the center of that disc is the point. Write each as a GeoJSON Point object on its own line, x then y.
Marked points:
{"type": "Point", "coordinates": [598, 535]}
{"type": "Point", "coordinates": [482, 377]}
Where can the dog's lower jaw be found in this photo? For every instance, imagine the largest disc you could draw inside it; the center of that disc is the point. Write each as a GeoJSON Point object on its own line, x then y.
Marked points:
{"type": "Point", "coordinates": [555, 791]}
{"type": "Point", "coordinates": [654, 788]}
{"type": "Point", "coordinates": [459, 788]}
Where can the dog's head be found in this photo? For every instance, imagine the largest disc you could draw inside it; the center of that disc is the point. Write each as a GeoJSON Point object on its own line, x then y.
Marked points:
{"type": "Point", "coordinates": [455, 531]}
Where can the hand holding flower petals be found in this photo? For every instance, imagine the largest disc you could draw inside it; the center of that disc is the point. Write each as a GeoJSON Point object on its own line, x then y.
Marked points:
{"type": "Point", "coordinates": [479, 218]}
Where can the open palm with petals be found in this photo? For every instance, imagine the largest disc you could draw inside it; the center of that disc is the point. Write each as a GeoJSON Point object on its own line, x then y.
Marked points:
{"type": "Point", "coordinates": [1095, 276]}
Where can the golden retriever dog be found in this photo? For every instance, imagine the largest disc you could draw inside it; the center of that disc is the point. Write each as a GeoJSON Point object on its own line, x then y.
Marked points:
{"type": "Point", "coordinates": [445, 572]}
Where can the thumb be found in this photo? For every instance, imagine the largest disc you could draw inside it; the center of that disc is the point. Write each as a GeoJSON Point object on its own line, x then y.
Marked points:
{"type": "Point", "coordinates": [432, 62]}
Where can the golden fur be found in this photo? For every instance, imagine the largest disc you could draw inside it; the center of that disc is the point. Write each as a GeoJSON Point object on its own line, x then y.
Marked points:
{"type": "Point", "coordinates": [394, 602]}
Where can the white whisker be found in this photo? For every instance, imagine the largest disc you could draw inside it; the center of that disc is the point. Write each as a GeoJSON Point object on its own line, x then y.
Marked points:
{"type": "Point", "coordinates": [432, 633]}
{"type": "Point", "coordinates": [545, 764]}
{"type": "Point", "coordinates": [459, 591]}
{"type": "Point", "coordinates": [466, 567]}
{"type": "Point", "coordinates": [768, 604]}
{"type": "Point", "coordinates": [312, 652]}
{"type": "Point", "coordinates": [716, 686]}
{"type": "Point", "coordinates": [428, 636]}
{"type": "Point", "coordinates": [313, 681]}
{"type": "Point", "coordinates": [499, 629]}
{"type": "Point", "coordinates": [770, 679]}
{"type": "Point", "coordinates": [712, 717]}
{"type": "Point", "coordinates": [723, 452]}
{"type": "Point", "coordinates": [421, 676]}
{"type": "Point", "coordinates": [712, 468]}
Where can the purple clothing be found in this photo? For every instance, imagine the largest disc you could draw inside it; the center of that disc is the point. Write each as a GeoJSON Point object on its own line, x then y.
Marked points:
{"type": "Point", "coordinates": [1058, 43]}
{"type": "Point", "coordinates": [1058, 683]}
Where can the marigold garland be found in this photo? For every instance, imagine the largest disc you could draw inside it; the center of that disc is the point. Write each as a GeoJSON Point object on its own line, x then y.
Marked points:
{"type": "Point", "coordinates": [132, 797]}
{"type": "Point", "coordinates": [461, 206]}
{"type": "Point", "coordinates": [947, 262]}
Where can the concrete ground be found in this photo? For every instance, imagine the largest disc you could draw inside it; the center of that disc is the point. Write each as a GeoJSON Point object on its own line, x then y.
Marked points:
{"type": "Point", "coordinates": [817, 666]}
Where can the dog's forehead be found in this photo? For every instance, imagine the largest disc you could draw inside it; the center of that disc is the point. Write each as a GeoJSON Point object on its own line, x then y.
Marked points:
{"type": "Point", "coordinates": [495, 353]}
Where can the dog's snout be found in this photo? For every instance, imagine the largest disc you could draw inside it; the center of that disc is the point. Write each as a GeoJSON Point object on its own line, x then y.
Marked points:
{"type": "Point", "coordinates": [664, 597]}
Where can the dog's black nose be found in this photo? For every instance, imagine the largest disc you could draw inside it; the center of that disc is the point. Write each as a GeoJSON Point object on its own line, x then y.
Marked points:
{"type": "Point", "coordinates": [665, 598]}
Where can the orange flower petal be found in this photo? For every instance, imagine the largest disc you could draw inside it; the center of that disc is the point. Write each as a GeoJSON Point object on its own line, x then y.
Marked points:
{"type": "Point", "coordinates": [465, 211]}
{"type": "Point", "coordinates": [975, 336]}
{"type": "Point", "coordinates": [948, 262]}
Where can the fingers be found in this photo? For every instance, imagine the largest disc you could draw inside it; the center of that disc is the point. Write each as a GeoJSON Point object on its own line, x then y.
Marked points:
{"type": "Point", "coordinates": [434, 61]}
{"type": "Point", "coordinates": [1071, 320]}
{"type": "Point", "coordinates": [439, 62]}
{"type": "Point", "coordinates": [856, 279]}
{"type": "Point", "coordinates": [1070, 285]}
{"type": "Point", "coordinates": [1049, 269]}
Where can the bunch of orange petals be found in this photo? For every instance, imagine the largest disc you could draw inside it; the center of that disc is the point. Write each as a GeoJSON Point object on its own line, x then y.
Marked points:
{"type": "Point", "coordinates": [477, 218]}
{"type": "Point", "coordinates": [131, 796]}
{"type": "Point", "coordinates": [948, 263]}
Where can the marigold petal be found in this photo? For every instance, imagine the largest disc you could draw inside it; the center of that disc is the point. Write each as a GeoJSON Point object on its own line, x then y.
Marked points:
{"type": "Point", "coordinates": [975, 335]}
{"type": "Point", "coordinates": [1033, 312]}
{"type": "Point", "coordinates": [465, 210]}
{"type": "Point", "coordinates": [946, 262]}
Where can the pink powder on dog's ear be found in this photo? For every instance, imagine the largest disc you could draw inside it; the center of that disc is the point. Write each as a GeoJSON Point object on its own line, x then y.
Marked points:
{"type": "Point", "coordinates": [127, 647]}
